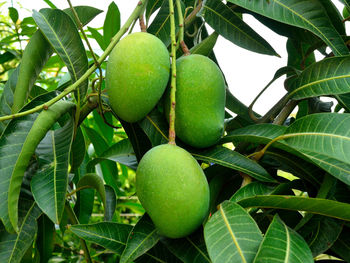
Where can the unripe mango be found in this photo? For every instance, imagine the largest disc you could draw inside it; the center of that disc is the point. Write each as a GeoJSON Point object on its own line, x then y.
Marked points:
{"type": "Point", "coordinates": [137, 74]}
{"type": "Point", "coordinates": [200, 101]}
{"type": "Point", "coordinates": [173, 189]}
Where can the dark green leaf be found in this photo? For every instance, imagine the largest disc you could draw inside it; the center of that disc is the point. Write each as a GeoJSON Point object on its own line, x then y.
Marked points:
{"type": "Point", "coordinates": [309, 15]}
{"type": "Point", "coordinates": [13, 13]}
{"type": "Point", "coordinates": [49, 185]}
{"type": "Point", "coordinates": [282, 244]}
{"type": "Point", "coordinates": [206, 46]}
{"type": "Point", "coordinates": [78, 150]}
{"type": "Point", "coordinates": [234, 160]}
{"type": "Point", "coordinates": [252, 189]}
{"type": "Point", "coordinates": [228, 24]}
{"type": "Point", "coordinates": [98, 37]}
{"type": "Point", "coordinates": [110, 235]}
{"type": "Point", "coordinates": [158, 253]}
{"type": "Point", "coordinates": [62, 34]}
{"type": "Point", "coordinates": [111, 203]}
{"type": "Point", "coordinates": [151, 7]}
{"type": "Point", "coordinates": [313, 205]}
{"type": "Point", "coordinates": [85, 13]}
{"type": "Point", "coordinates": [112, 23]}
{"type": "Point", "coordinates": [231, 235]}
{"type": "Point", "coordinates": [45, 238]}
{"type": "Point", "coordinates": [142, 238]}
{"type": "Point", "coordinates": [341, 246]}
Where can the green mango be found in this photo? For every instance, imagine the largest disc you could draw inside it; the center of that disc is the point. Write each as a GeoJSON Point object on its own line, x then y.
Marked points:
{"type": "Point", "coordinates": [137, 74]}
{"type": "Point", "coordinates": [173, 189]}
{"type": "Point", "coordinates": [200, 101]}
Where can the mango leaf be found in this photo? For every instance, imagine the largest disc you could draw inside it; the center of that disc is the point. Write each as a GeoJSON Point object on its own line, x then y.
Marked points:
{"type": "Point", "coordinates": [151, 7]}
{"type": "Point", "coordinates": [78, 149]}
{"type": "Point", "coordinates": [231, 235]}
{"type": "Point", "coordinates": [61, 32]}
{"type": "Point", "coordinates": [111, 24]}
{"type": "Point", "coordinates": [323, 138]}
{"type": "Point", "coordinates": [141, 238]}
{"type": "Point", "coordinates": [17, 145]}
{"type": "Point", "coordinates": [111, 203]}
{"type": "Point", "coordinates": [14, 246]}
{"type": "Point", "coordinates": [236, 106]}
{"type": "Point", "coordinates": [252, 189]}
{"type": "Point", "coordinates": [85, 13]}
{"type": "Point", "coordinates": [109, 235]}
{"type": "Point", "coordinates": [120, 152]}
{"type": "Point", "coordinates": [334, 15]}
{"type": "Point", "coordinates": [234, 160]}
{"type": "Point", "coordinates": [13, 13]}
{"type": "Point", "coordinates": [228, 24]}
{"type": "Point", "coordinates": [326, 77]}
{"type": "Point", "coordinates": [309, 15]}
{"type": "Point", "coordinates": [319, 206]}
{"type": "Point", "coordinates": [49, 185]}
{"type": "Point", "coordinates": [283, 244]}
{"type": "Point", "coordinates": [45, 240]}
{"type": "Point", "coordinates": [109, 169]}
{"type": "Point", "coordinates": [341, 246]}
{"type": "Point", "coordinates": [158, 253]}
{"type": "Point", "coordinates": [206, 46]}
{"type": "Point", "coordinates": [190, 249]}
{"type": "Point", "coordinates": [98, 37]}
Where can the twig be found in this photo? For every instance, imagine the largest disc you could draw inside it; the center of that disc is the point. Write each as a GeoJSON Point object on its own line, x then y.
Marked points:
{"type": "Point", "coordinates": [181, 41]}
{"type": "Point", "coordinates": [135, 14]}
{"type": "Point", "coordinates": [142, 23]}
{"type": "Point", "coordinates": [285, 112]}
{"type": "Point", "coordinates": [172, 134]}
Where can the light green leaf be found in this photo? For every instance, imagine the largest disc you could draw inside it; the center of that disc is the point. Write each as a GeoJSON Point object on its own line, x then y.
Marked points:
{"type": "Point", "coordinates": [49, 185]}
{"type": "Point", "coordinates": [309, 15]}
{"type": "Point", "coordinates": [109, 235]}
{"type": "Point", "coordinates": [206, 46]}
{"type": "Point", "coordinates": [228, 24]}
{"type": "Point", "coordinates": [231, 235]}
{"type": "Point", "coordinates": [326, 77]}
{"type": "Point", "coordinates": [234, 160]}
{"type": "Point", "coordinates": [282, 244]}
{"type": "Point", "coordinates": [61, 32]}
{"type": "Point", "coordinates": [142, 238]}
{"type": "Point", "coordinates": [320, 206]}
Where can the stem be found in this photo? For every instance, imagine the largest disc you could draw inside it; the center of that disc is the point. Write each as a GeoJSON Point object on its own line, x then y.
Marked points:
{"type": "Point", "coordinates": [142, 23]}
{"type": "Point", "coordinates": [73, 218]}
{"type": "Point", "coordinates": [135, 14]}
{"type": "Point", "coordinates": [181, 41]}
{"type": "Point", "coordinates": [172, 134]}
{"type": "Point", "coordinates": [286, 111]}
{"type": "Point", "coordinates": [77, 190]}
{"type": "Point", "coordinates": [193, 15]}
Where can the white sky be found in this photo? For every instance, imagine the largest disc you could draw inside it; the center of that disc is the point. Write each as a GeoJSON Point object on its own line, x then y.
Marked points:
{"type": "Point", "coordinates": [246, 72]}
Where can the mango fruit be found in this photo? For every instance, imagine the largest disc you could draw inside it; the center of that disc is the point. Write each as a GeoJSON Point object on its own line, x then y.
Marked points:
{"type": "Point", "coordinates": [173, 189]}
{"type": "Point", "coordinates": [200, 101]}
{"type": "Point", "coordinates": [137, 74]}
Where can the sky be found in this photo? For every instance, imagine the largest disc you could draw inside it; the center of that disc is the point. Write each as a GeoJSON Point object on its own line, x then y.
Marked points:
{"type": "Point", "coordinates": [246, 72]}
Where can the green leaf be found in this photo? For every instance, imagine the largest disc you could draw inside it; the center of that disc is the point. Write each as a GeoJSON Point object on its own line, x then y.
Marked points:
{"type": "Point", "coordinates": [190, 249]}
{"type": "Point", "coordinates": [45, 238]}
{"type": "Point", "coordinates": [78, 150]}
{"type": "Point", "coordinates": [111, 203]}
{"type": "Point", "coordinates": [13, 13]}
{"type": "Point", "coordinates": [313, 205]}
{"type": "Point", "coordinates": [142, 238]}
{"type": "Point", "coordinates": [155, 127]}
{"type": "Point", "coordinates": [234, 160]}
{"type": "Point", "coordinates": [341, 246]}
{"type": "Point", "coordinates": [206, 46]}
{"type": "Point", "coordinates": [120, 152]}
{"type": "Point", "coordinates": [309, 15]}
{"type": "Point", "coordinates": [109, 235]}
{"type": "Point", "coordinates": [323, 138]}
{"type": "Point", "coordinates": [98, 37]}
{"type": "Point", "coordinates": [231, 235]}
{"type": "Point", "coordinates": [228, 24]}
{"type": "Point", "coordinates": [151, 7]}
{"type": "Point", "coordinates": [49, 185]}
{"type": "Point", "coordinates": [158, 253]}
{"type": "Point", "coordinates": [102, 127]}
{"type": "Point", "coordinates": [14, 246]}
{"type": "Point", "coordinates": [282, 244]}
{"type": "Point", "coordinates": [326, 77]}
{"type": "Point", "coordinates": [85, 13]}
{"type": "Point", "coordinates": [334, 15]}
{"type": "Point", "coordinates": [252, 189]}
{"type": "Point", "coordinates": [62, 34]}
{"type": "Point", "coordinates": [17, 145]}
{"type": "Point", "coordinates": [35, 56]}
{"type": "Point", "coordinates": [111, 24]}
{"type": "Point", "coordinates": [50, 4]}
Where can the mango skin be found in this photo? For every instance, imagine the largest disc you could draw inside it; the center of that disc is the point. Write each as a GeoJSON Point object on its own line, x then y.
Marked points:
{"type": "Point", "coordinates": [200, 101]}
{"type": "Point", "coordinates": [137, 74]}
{"type": "Point", "coordinates": [173, 189]}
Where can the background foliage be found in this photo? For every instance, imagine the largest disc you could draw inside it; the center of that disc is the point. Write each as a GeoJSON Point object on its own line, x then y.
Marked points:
{"type": "Point", "coordinates": [279, 183]}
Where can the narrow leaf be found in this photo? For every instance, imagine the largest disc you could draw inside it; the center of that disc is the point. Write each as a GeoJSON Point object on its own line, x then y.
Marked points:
{"type": "Point", "coordinates": [231, 235]}
{"type": "Point", "coordinates": [228, 24]}
{"type": "Point", "coordinates": [313, 205]}
{"type": "Point", "coordinates": [112, 23]}
{"type": "Point", "coordinates": [234, 160]}
{"type": "Point", "coordinates": [61, 32]}
{"type": "Point", "coordinates": [309, 15]}
{"type": "Point", "coordinates": [282, 244]}
{"type": "Point", "coordinates": [252, 189]}
{"type": "Point", "coordinates": [49, 185]}
{"type": "Point", "coordinates": [142, 238]}
{"type": "Point", "coordinates": [206, 46]}
{"type": "Point", "coordinates": [109, 235]}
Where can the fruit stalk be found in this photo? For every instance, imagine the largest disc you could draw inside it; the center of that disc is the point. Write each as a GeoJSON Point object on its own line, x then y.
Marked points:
{"type": "Point", "coordinates": [172, 134]}
{"type": "Point", "coordinates": [135, 15]}
{"type": "Point", "coordinates": [181, 41]}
